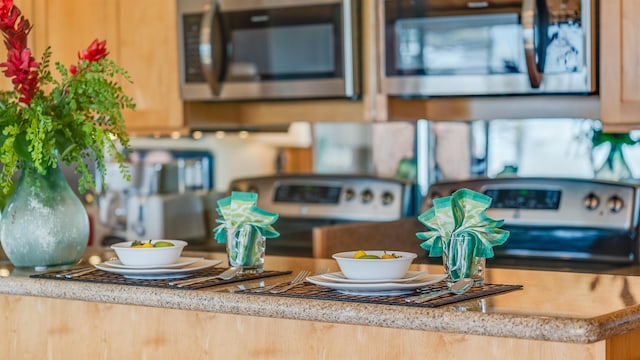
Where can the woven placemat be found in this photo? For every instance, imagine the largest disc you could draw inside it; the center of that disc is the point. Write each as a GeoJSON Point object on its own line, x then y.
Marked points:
{"type": "Point", "coordinates": [317, 292]}
{"type": "Point", "coordinates": [104, 277]}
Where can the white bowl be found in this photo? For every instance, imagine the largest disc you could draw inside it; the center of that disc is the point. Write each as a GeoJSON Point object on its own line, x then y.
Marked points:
{"type": "Point", "coordinates": [149, 256]}
{"type": "Point", "coordinates": [374, 269]}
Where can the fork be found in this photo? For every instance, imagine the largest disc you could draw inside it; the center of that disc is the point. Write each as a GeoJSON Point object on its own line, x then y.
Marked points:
{"type": "Point", "coordinates": [302, 275]}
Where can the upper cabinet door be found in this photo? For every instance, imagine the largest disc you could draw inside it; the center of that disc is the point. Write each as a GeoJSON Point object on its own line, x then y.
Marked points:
{"type": "Point", "coordinates": [69, 26]}
{"type": "Point", "coordinates": [141, 37]}
{"type": "Point", "coordinates": [148, 49]}
{"type": "Point", "coordinates": [620, 63]}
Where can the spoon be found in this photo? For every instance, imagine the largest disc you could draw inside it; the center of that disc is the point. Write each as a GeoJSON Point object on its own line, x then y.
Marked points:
{"type": "Point", "coordinates": [457, 288]}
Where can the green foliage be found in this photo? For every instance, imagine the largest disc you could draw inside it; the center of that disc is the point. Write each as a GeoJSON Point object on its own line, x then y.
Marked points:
{"type": "Point", "coordinates": [600, 137]}
{"type": "Point", "coordinates": [78, 120]}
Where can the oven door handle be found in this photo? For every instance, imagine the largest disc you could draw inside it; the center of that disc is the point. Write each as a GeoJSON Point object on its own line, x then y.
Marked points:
{"type": "Point", "coordinates": [211, 47]}
{"type": "Point", "coordinates": [535, 21]}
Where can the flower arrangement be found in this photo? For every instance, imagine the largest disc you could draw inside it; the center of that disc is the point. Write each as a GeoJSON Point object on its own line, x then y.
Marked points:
{"type": "Point", "coordinates": [74, 118]}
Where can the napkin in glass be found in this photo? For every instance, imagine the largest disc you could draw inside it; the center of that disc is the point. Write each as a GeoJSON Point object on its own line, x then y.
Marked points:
{"type": "Point", "coordinates": [240, 209]}
{"type": "Point", "coordinates": [462, 213]}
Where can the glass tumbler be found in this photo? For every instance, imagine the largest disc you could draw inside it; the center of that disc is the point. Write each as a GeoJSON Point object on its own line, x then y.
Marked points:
{"type": "Point", "coordinates": [459, 261]}
{"type": "Point", "coordinates": [246, 248]}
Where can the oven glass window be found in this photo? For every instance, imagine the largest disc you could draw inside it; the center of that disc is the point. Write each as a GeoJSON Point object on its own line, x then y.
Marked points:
{"type": "Point", "coordinates": [485, 44]}
{"type": "Point", "coordinates": [458, 45]}
{"type": "Point", "coordinates": [283, 44]}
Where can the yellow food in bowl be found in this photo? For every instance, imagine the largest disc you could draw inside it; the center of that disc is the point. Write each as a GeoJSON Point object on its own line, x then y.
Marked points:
{"type": "Point", "coordinates": [139, 244]}
{"type": "Point", "coordinates": [361, 254]}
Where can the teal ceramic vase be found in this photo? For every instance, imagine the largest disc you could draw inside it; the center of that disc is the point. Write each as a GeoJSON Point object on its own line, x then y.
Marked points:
{"type": "Point", "coordinates": [44, 223]}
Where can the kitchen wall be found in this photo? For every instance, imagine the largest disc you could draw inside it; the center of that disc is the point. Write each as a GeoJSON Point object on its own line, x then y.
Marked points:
{"type": "Point", "coordinates": [233, 156]}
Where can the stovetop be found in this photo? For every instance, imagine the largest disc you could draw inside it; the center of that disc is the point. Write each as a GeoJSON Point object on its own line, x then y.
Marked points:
{"type": "Point", "coordinates": [559, 224]}
{"type": "Point", "coordinates": [325, 196]}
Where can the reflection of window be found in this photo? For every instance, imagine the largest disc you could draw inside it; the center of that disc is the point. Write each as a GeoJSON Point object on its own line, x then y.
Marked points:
{"type": "Point", "coordinates": [565, 50]}
{"type": "Point", "coordinates": [540, 147]}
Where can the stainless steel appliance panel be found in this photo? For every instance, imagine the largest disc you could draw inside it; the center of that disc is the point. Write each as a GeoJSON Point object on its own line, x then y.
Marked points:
{"type": "Point", "coordinates": [440, 48]}
{"type": "Point", "coordinates": [559, 223]}
{"type": "Point", "coordinates": [344, 197]}
{"type": "Point", "coordinates": [281, 49]}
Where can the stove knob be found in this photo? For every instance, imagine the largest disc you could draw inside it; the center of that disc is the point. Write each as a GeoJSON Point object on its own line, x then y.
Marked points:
{"type": "Point", "coordinates": [591, 201]}
{"type": "Point", "coordinates": [366, 196]}
{"type": "Point", "coordinates": [615, 204]}
{"type": "Point", "coordinates": [387, 198]}
{"type": "Point", "coordinates": [349, 194]}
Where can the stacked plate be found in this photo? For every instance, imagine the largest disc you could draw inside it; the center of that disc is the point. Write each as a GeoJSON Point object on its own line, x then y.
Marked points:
{"type": "Point", "coordinates": [183, 267]}
{"type": "Point", "coordinates": [404, 285]}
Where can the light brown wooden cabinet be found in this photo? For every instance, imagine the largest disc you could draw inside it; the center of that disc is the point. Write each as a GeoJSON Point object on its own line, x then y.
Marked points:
{"type": "Point", "coordinates": [620, 64]}
{"type": "Point", "coordinates": [147, 44]}
{"type": "Point", "coordinates": [141, 37]}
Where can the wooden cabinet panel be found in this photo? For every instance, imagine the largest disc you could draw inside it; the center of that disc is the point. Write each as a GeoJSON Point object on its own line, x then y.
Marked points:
{"type": "Point", "coordinates": [148, 49]}
{"type": "Point", "coordinates": [620, 64]}
{"type": "Point", "coordinates": [141, 37]}
{"type": "Point", "coordinates": [70, 26]}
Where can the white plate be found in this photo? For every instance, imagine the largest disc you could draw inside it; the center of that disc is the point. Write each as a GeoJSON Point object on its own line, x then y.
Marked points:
{"type": "Point", "coordinates": [390, 288]}
{"type": "Point", "coordinates": [182, 262]}
{"type": "Point", "coordinates": [339, 277]}
{"type": "Point", "coordinates": [157, 274]}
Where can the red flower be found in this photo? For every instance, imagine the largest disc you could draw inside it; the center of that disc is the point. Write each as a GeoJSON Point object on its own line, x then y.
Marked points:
{"type": "Point", "coordinates": [73, 69]}
{"type": "Point", "coordinates": [22, 67]}
{"type": "Point", "coordinates": [96, 51]}
{"type": "Point", "coordinates": [14, 26]}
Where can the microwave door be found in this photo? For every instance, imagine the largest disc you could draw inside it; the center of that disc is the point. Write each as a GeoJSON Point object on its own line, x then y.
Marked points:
{"type": "Point", "coordinates": [437, 48]}
{"type": "Point", "coordinates": [289, 49]}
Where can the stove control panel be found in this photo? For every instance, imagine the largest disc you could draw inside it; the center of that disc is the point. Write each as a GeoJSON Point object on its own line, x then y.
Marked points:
{"type": "Point", "coordinates": [339, 197]}
{"type": "Point", "coordinates": [553, 201]}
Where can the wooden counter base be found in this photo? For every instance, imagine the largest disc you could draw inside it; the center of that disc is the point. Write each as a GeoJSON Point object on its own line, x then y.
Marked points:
{"type": "Point", "coordinates": [47, 328]}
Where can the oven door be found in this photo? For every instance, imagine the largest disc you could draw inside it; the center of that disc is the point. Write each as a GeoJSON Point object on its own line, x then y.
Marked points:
{"type": "Point", "coordinates": [446, 48]}
{"type": "Point", "coordinates": [242, 50]}
{"type": "Point", "coordinates": [296, 236]}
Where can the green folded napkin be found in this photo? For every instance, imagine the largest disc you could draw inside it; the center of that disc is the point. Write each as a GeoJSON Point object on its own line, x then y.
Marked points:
{"type": "Point", "coordinates": [240, 209]}
{"type": "Point", "coordinates": [463, 213]}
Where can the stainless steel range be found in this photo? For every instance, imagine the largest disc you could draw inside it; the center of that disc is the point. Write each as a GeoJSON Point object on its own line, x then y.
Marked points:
{"type": "Point", "coordinates": [306, 201]}
{"type": "Point", "coordinates": [572, 224]}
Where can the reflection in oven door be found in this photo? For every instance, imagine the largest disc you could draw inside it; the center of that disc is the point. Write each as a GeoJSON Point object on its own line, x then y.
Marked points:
{"type": "Point", "coordinates": [295, 236]}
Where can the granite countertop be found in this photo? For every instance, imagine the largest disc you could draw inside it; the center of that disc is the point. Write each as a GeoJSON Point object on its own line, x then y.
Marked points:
{"type": "Point", "coordinates": [552, 306]}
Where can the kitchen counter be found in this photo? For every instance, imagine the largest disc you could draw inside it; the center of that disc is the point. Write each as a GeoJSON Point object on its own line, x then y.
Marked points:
{"type": "Point", "coordinates": [561, 314]}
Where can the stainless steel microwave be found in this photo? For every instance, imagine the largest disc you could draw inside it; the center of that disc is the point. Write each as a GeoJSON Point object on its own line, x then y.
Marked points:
{"type": "Point", "coordinates": [268, 49]}
{"type": "Point", "coordinates": [438, 48]}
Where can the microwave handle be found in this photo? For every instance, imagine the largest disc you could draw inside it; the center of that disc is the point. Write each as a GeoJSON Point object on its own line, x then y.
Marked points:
{"type": "Point", "coordinates": [211, 45]}
{"type": "Point", "coordinates": [535, 64]}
